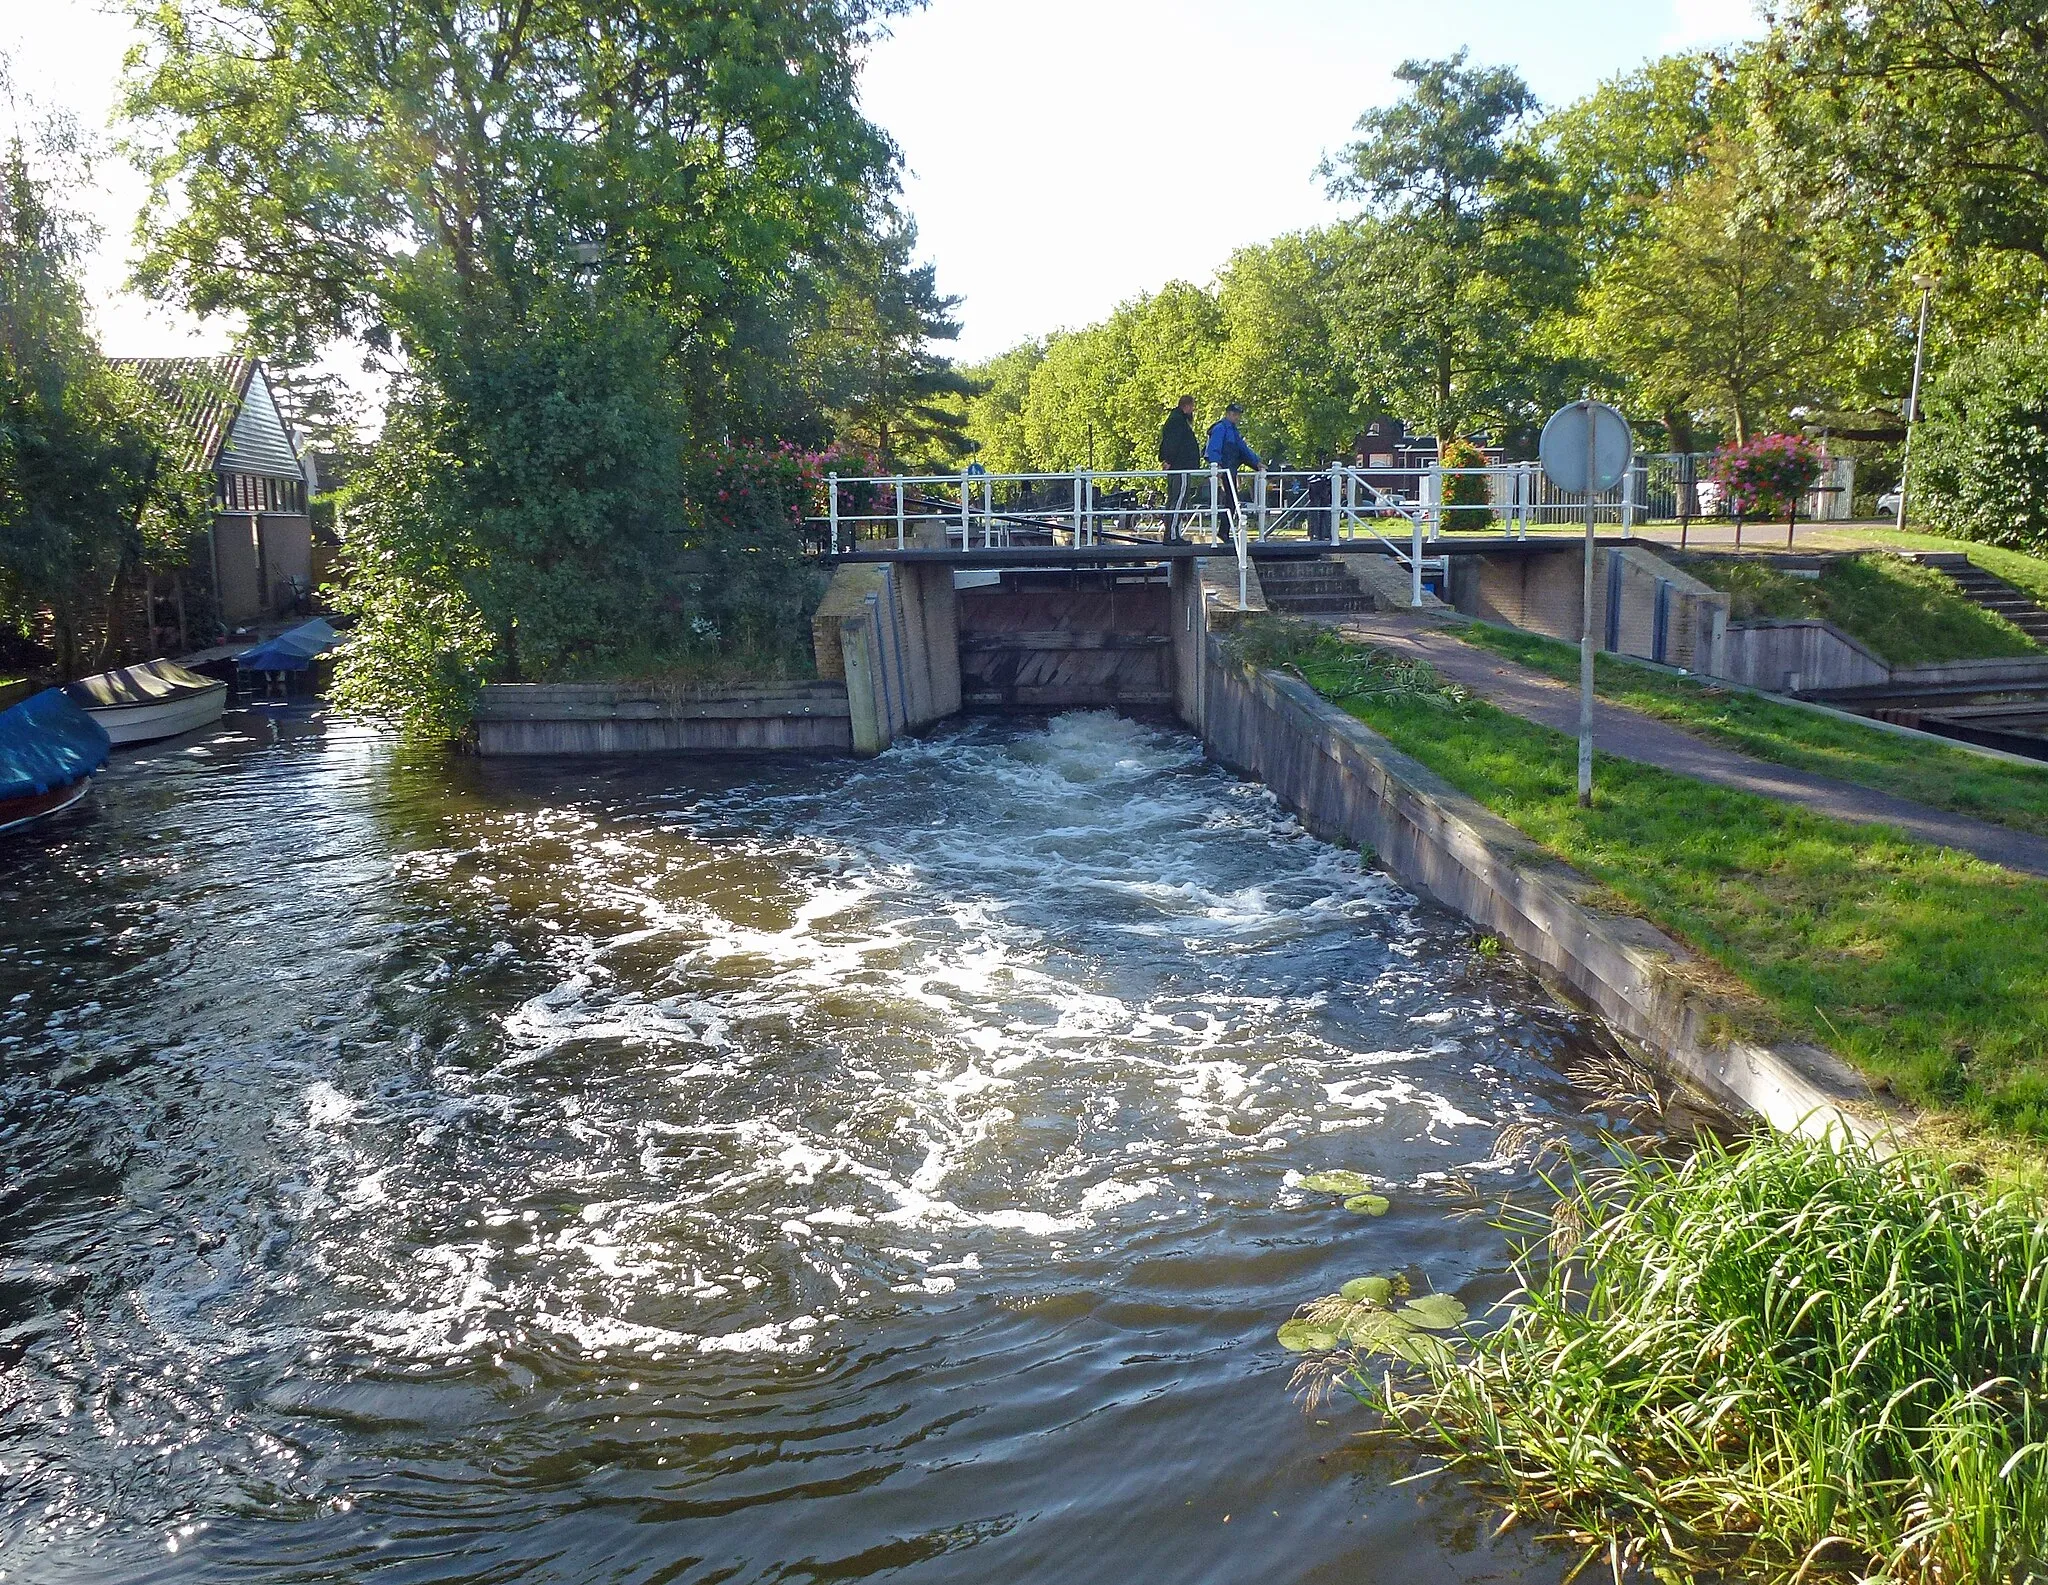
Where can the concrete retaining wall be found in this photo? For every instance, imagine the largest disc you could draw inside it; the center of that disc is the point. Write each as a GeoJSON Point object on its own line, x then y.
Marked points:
{"type": "Point", "coordinates": [1349, 784]}
{"type": "Point", "coordinates": [1642, 605]}
{"type": "Point", "coordinates": [1798, 656]}
{"type": "Point", "coordinates": [640, 718]}
{"type": "Point", "coordinates": [890, 632]}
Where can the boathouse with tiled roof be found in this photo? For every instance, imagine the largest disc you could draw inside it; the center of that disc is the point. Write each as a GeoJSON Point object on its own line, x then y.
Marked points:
{"type": "Point", "coordinates": [262, 536]}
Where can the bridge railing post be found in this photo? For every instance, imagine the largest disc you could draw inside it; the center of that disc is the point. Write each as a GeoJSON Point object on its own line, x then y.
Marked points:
{"type": "Point", "coordinates": [1336, 507]}
{"type": "Point", "coordinates": [1215, 490]}
{"type": "Point", "coordinates": [966, 512]}
{"type": "Point", "coordinates": [1415, 561]}
{"type": "Point", "coordinates": [899, 513]}
{"type": "Point", "coordinates": [1264, 493]}
{"type": "Point", "coordinates": [832, 508]}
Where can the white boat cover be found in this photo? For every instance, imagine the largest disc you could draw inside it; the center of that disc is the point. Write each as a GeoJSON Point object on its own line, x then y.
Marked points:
{"type": "Point", "coordinates": [152, 682]}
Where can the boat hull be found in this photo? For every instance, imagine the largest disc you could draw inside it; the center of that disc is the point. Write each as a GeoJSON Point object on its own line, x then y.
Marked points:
{"type": "Point", "coordinates": [17, 812]}
{"type": "Point", "coordinates": [150, 722]}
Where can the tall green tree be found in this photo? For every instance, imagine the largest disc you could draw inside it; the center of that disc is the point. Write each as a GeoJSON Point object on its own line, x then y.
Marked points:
{"type": "Point", "coordinates": [1714, 307]}
{"type": "Point", "coordinates": [1466, 247]}
{"type": "Point", "coordinates": [888, 388]}
{"type": "Point", "coordinates": [93, 488]}
{"type": "Point", "coordinates": [594, 230]}
{"type": "Point", "coordinates": [992, 415]}
{"type": "Point", "coordinates": [1933, 113]}
{"type": "Point", "coordinates": [364, 168]}
{"type": "Point", "coordinates": [1632, 139]}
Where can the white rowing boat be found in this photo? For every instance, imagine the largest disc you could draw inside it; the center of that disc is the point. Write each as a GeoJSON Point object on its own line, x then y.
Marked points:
{"type": "Point", "coordinates": [140, 704]}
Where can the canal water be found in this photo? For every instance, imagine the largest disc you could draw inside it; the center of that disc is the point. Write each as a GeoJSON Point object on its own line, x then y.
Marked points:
{"type": "Point", "coordinates": [419, 1170]}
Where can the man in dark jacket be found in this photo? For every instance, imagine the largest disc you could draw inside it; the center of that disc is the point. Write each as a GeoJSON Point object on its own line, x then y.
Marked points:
{"type": "Point", "coordinates": [1180, 454]}
{"type": "Point", "coordinates": [1226, 450]}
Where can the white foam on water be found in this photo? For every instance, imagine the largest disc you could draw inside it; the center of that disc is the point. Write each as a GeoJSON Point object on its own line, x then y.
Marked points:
{"type": "Point", "coordinates": [875, 1041]}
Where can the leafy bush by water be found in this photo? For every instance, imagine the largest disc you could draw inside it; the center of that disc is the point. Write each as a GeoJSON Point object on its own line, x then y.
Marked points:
{"type": "Point", "coordinates": [1785, 1360]}
{"type": "Point", "coordinates": [1342, 670]}
{"type": "Point", "coordinates": [1985, 443]}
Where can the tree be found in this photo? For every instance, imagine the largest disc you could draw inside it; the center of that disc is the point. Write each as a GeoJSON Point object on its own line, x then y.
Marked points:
{"type": "Point", "coordinates": [1985, 444]}
{"type": "Point", "coordinates": [597, 233]}
{"type": "Point", "coordinates": [887, 389]}
{"type": "Point", "coordinates": [992, 416]}
{"type": "Point", "coordinates": [365, 168]}
{"type": "Point", "coordinates": [1278, 305]}
{"type": "Point", "coordinates": [1713, 308]}
{"type": "Point", "coordinates": [1933, 113]}
{"type": "Point", "coordinates": [1629, 142]}
{"type": "Point", "coordinates": [1466, 246]}
{"type": "Point", "coordinates": [93, 488]}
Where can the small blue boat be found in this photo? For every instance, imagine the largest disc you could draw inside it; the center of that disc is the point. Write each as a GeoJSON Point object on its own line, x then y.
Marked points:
{"type": "Point", "coordinates": [49, 749]}
{"type": "Point", "coordinates": [290, 651]}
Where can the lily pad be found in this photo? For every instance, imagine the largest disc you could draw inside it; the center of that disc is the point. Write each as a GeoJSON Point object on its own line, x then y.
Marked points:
{"type": "Point", "coordinates": [1305, 1337]}
{"type": "Point", "coordinates": [1369, 1290]}
{"type": "Point", "coordinates": [1371, 1204]}
{"type": "Point", "coordinates": [1337, 1182]}
{"type": "Point", "coordinates": [1438, 1312]}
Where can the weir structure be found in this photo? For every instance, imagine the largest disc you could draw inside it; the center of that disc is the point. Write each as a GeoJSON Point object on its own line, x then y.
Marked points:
{"type": "Point", "coordinates": [1037, 592]}
{"type": "Point", "coordinates": [917, 628]}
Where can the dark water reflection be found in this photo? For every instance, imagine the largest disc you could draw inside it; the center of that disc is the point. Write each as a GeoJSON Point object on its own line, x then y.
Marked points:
{"type": "Point", "coordinates": [428, 1171]}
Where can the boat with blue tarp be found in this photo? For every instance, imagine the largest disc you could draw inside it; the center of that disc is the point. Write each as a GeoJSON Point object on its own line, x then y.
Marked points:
{"type": "Point", "coordinates": [293, 650]}
{"type": "Point", "coordinates": [49, 749]}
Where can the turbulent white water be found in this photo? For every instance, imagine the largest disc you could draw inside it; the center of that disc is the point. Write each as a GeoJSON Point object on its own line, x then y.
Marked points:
{"type": "Point", "coordinates": [733, 1173]}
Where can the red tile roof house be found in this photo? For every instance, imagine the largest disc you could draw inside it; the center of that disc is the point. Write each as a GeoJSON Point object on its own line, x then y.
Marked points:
{"type": "Point", "coordinates": [261, 541]}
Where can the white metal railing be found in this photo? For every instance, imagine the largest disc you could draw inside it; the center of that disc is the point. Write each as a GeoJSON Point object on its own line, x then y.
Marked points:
{"type": "Point", "coordinates": [1337, 505]}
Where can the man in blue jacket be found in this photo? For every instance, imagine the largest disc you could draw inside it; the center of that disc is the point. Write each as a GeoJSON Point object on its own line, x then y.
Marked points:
{"type": "Point", "coordinates": [1226, 450]}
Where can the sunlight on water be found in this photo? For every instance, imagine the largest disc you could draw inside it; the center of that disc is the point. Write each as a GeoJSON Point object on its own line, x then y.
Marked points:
{"type": "Point", "coordinates": [720, 1172]}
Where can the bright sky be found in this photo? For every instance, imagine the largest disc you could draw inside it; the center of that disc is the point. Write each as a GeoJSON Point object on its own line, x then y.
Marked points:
{"type": "Point", "coordinates": [1061, 155]}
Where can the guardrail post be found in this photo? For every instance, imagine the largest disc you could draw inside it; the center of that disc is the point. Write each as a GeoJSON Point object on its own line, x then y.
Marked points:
{"type": "Point", "coordinates": [899, 515]}
{"type": "Point", "coordinates": [1628, 499]}
{"type": "Point", "coordinates": [966, 512]}
{"type": "Point", "coordinates": [832, 508]}
{"type": "Point", "coordinates": [1264, 527]}
{"type": "Point", "coordinates": [1334, 507]}
{"type": "Point", "coordinates": [1415, 562]}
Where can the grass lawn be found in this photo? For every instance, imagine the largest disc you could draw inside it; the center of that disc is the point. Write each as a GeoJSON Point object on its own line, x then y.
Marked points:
{"type": "Point", "coordinates": [1911, 615]}
{"type": "Point", "coordinates": [1927, 969]}
{"type": "Point", "coordinates": [2028, 574]}
{"type": "Point", "coordinates": [1944, 778]}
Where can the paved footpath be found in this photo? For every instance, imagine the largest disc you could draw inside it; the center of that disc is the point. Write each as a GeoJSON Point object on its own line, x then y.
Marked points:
{"type": "Point", "coordinates": [1628, 734]}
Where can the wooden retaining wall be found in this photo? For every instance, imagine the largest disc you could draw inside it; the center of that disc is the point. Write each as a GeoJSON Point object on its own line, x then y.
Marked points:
{"type": "Point", "coordinates": [640, 718]}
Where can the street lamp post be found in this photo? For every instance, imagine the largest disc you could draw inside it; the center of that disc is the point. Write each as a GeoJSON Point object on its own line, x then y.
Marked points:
{"type": "Point", "coordinates": [1926, 285]}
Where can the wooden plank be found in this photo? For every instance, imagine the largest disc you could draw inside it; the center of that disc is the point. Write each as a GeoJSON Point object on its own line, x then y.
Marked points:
{"type": "Point", "coordinates": [1059, 640]}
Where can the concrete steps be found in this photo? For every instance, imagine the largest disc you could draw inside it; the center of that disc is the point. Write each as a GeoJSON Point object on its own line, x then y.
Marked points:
{"type": "Point", "coordinates": [1989, 592]}
{"type": "Point", "coordinates": [1318, 587]}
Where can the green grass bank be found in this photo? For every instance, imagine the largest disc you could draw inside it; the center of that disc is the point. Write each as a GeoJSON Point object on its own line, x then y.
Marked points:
{"type": "Point", "coordinates": [1909, 614]}
{"type": "Point", "coordinates": [1926, 969]}
{"type": "Point", "coordinates": [1929, 773]}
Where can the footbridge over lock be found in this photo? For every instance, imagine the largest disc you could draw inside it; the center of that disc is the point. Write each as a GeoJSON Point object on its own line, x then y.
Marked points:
{"type": "Point", "coordinates": [1047, 592]}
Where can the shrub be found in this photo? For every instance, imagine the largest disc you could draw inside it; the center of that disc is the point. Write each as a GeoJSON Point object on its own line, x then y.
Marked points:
{"type": "Point", "coordinates": [1788, 1359]}
{"type": "Point", "coordinates": [1980, 462]}
{"type": "Point", "coordinates": [1467, 504]}
{"type": "Point", "coordinates": [1765, 476]}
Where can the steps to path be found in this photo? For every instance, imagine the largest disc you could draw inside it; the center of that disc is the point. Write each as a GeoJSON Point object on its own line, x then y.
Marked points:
{"type": "Point", "coordinates": [1989, 592]}
{"type": "Point", "coordinates": [1311, 587]}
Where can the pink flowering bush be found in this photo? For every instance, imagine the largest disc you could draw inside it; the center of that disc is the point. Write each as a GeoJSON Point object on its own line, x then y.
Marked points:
{"type": "Point", "coordinates": [1765, 476]}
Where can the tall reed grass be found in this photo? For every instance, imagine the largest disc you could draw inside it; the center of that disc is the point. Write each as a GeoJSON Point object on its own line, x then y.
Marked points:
{"type": "Point", "coordinates": [1780, 1360]}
